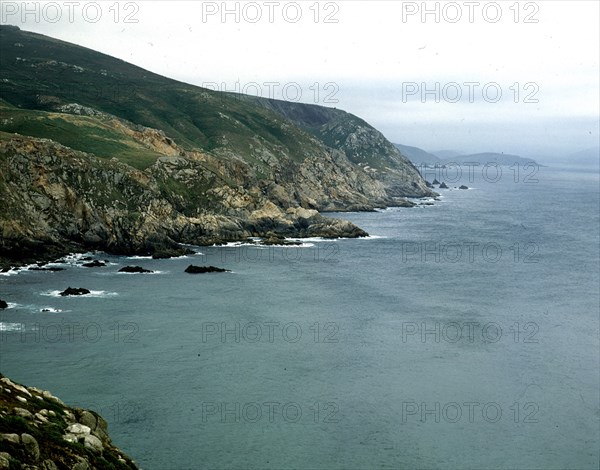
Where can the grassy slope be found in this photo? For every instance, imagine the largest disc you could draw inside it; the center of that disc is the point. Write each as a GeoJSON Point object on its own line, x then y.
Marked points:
{"type": "Point", "coordinates": [87, 134]}
{"type": "Point", "coordinates": [38, 72]}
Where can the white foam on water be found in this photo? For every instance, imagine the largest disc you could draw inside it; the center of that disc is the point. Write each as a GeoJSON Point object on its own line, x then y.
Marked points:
{"type": "Point", "coordinates": [138, 257]}
{"type": "Point", "coordinates": [92, 294]}
{"type": "Point", "coordinates": [143, 274]}
{"type": "Point", "coordinates": [11, 272]}
{"type": "Point", "coordinates": [6, 326]}
{"type": "Point", "coordinates": [50, 310]}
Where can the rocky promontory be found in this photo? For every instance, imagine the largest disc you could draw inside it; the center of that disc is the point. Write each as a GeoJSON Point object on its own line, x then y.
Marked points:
{"type": "Point", "coordinates": [39, 432]}
{"type": "Point", "coordinates": [178, 164]}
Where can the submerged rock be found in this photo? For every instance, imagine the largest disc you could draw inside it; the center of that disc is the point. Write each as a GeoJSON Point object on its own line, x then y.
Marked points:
{"type": "Point", "coordinates": [74, 291]}
{"type": "Point", "coordinates": [191, 269]}
{"type": "Point", "coordinates": [3, 304]}
{"type": "Point", "coordinates": [134, 270]}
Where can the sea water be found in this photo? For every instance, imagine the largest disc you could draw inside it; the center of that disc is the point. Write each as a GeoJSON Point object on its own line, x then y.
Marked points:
{"type": "Point", "coordinates": [462, 334]}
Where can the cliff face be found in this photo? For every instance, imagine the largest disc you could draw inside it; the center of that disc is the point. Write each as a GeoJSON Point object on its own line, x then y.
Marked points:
{"type": "Point", "coordinates": [362, 144]}
{"type": "Point", "coordinates": [55, 196]}
{"type": "Point", "coordinates": [164, 162]}
{"type": "Point", "coordinates": [38, 431]}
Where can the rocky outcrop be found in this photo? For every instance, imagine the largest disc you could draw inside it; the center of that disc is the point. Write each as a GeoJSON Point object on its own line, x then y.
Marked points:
{"type": "Point", "coordinates": [135, 270]}
{"type": "Point", "coordinates": [69, 291]}
{"type": "Point", "coordinates": [94, 264]}
{"type": "Point", "coordinates": [191, 269]}
{"type": "Point", "coordinates": [3, 304]}
{"type": "Point", "coordinates": [39, 432]}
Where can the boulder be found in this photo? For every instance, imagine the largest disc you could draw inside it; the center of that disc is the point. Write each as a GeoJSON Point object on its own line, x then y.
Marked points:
{"type": "Point", "coordinates": [4, 461]}
{"type": "Point", "coordinates": [22, 412]}
{"type": "Point", "coordinates": [435, 181]}
{"type": "Point", "coordinates": [134, 269]}
{"type": "Point", "coordinates": [463, 187]}
{"type": "Point", "coordinates": [32, 449]}
{"type": "Point", "coordinates": [3, 304]}
{"type": "Point", "coordinates": [443, 186]}
{"type": "Point", "coordinates": [74, 291]}
{"type": "Point", "coordinates": [191, 269]}
{"type": "Point", "coordinates": [93, 443]}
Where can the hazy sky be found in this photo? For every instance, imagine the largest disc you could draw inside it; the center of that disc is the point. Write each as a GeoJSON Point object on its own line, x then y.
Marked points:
{"type": "Point", "coordinates": [507, 76]}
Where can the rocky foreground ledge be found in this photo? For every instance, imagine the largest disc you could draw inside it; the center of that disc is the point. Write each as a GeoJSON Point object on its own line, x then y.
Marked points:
{"type": "Point", "coordinates": [38, 431]}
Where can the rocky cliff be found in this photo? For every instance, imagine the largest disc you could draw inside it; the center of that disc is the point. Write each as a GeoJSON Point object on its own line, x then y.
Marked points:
{"type": "Point", "coordinates": [145, 162]}
{"type": "Point", "coordinates": [57, 199]}
{"type": "Point", "coordinates": [38, 431]}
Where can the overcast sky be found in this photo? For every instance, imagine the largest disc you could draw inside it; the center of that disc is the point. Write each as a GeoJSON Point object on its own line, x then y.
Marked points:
{"type": "Point", "coordinates": [472, 76]}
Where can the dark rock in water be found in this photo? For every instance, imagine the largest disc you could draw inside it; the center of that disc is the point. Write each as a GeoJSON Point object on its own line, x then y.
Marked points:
{"type": "Point", "coordinates": [87, 258]}
{"type": "Point", "coordinates": [435, 181]}
{"type": "Point", "coordinates": [3, 304]}
{"type": "Point", "coordinates": [94, 264]}
{"type": "Point", "coordinates": [444, 186]}
{"type": "Point", "coordinates": [5, 270]}
{"type": "Point", "coordinates": [191, 269]}
{"type": "Point", "coordinates": [426, 204]}
{"type": "Point", "coordinates": [428, 184]}
{"type": "Point", "coordinates": [277, 240]}
{"type": "Point", "coordinates": [74, 291]}
{"type": "Point", "coordinates": [134, 269]}
{"type": "Point", "coordinates": [464, 187]}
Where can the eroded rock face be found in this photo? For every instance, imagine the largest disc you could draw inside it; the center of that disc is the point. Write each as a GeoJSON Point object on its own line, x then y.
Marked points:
{"type": "Point", "coordinates": [62, 200]}
{"type": "Point", "coordinates": [49, 434]}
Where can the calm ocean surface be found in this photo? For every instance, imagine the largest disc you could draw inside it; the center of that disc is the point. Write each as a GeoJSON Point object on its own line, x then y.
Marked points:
{"type": "Point", "coordinates": [460, 335]}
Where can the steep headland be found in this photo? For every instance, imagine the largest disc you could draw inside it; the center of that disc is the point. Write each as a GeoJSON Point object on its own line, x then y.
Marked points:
{"type": "Point", "coordinates": [96, 153]}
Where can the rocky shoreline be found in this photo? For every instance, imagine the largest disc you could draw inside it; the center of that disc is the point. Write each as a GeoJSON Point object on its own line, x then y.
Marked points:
{"type": "Point", "coordinates": [39, 432]}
